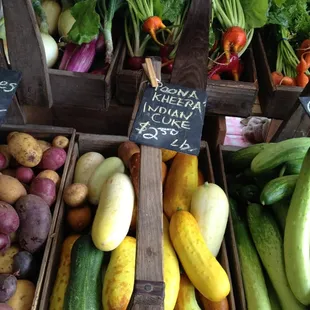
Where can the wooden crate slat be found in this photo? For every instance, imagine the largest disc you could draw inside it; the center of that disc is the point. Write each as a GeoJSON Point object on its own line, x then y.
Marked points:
{"type": "Point", "coordinates": [26, 52]}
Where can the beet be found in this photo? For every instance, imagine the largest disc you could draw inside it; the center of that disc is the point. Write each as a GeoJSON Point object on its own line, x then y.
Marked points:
{"type": "Point", "coordinates": [135, 63]}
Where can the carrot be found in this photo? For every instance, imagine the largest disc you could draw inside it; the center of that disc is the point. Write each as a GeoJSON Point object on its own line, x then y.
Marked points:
{"type": "Point", "coordinates": [233, 38]}
{"type": "Point", "coordinates": [307, 59]}
{"type": "Point", "coordinates": [288, 81]}
{"type": "Point", "coordinates": [216, 77]}
{"type": "Point", "coordinates": [302, 79]}
{"type": "Point", "coordinates": [276, 77]}
{"type": "Point", "coordinates": [302, 66]}
{"type": "Point", "coordinates": [151, 25]}
{"type": "Point", "coordinates": [304, 47]}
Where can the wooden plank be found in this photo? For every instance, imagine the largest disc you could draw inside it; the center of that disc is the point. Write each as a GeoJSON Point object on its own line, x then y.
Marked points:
{"type": "Point", "coordinates": [191, 60]}
{"type": "Point", "coordinates": [298, 124]}
{"type": "Point", "coordinates": [273, 127]}
{"type": "Point", "coordinates": [26, 53]}
{"type": "Point", "coordinates": [149, 280]}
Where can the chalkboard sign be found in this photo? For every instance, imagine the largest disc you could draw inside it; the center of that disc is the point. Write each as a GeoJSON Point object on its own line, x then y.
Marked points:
{"type": "Point", "coordinates": [170, 117]}
{"type": "Point", "coordinates": [305, 101]}
{"type": "Point", "coordinates": [9, 80]}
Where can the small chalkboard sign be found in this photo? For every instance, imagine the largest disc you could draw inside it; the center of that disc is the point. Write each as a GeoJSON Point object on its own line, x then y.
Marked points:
{"type": "Point", "coordinates": [170, 117]}
{"type": "Point", "coordinates": [305, 101]}
{"type": "Point", "coordinates": [9, 80]}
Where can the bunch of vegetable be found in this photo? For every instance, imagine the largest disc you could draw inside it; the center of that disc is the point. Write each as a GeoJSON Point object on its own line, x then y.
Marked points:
{"type": "Point", "coordinates": [101, 214]}
{"type": "Point", "coordinates": [84, 31]}
{"type": "Point", "coordinates": [289, 25]}
{"type": "Point", "coordinates": [232, 24]}
{"type": "Point", "coordinates": [145, 22]}
{"type": "Point", "coordinates": [28, 189]}
{"type": "Point", "coordinates": [269, 188]}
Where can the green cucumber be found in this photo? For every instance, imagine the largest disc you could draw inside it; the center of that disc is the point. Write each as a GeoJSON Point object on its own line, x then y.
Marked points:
{"type": "Point", "coordinates": [296, 236]}
{"type": "Point", "coordinates": [242, 158]}
{"type": "Point", "coordinates": [278, 189]}
{"type": "Point", "coordinates": [269, 244]}
{"type": "Point", "coordinates": [293, 166]}
{"type": "Point", "coordinates": [273, 297]}
{"type": "Point", "coordinates": [279, 153]}
{"type": "Point", "coordinates": [251, 269]}
{"type": "Point", "coordinates": [280, 210]}
{"type": "Point", "coordinates": [84, 291]}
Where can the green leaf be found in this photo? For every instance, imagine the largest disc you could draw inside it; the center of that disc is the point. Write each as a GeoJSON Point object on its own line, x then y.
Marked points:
{"type": "Point", "coordinates": [172, 9]}
{"type": "Point", "coordinates": [255, 12]}
{"type": "Point", "coordinates": [86, 26]}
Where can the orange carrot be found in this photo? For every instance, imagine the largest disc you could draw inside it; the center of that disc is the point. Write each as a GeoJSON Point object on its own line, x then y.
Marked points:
{"type": "Point", "coordinates": [216, 77]}
{"type": "Point", "coordinates": [151, 25]}
{"type": "Point", "coordinates": [288, 81]}
{"type": "Point", "coordinates": [276, 77]}
{"type": "Point", "coordinates": [234, 38]}
{"type": "Point", "coordinates": [304, 47]}
{"type": "Point", "coordinates": [302, 79]}
{"type": "Point", "coordinates": [302, 66]}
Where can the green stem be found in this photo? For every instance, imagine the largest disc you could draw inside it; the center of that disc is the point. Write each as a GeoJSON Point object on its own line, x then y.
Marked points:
{"type": "Point", "coordinates": [37, 7]}
{"type": "Point", "coordinates": [129, 47]}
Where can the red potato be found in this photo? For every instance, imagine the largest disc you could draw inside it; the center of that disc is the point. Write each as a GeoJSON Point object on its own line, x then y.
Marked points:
{"type": "Point", "coordinates": [53, 159]}
{"type": "Point", "coordinates": [5, 242]}
{"type": "Point", "coordinates": [35, 222]}
{"type": "Point", "coordinates": [24, 174]}
{"type": "Point", "coordinates": [3, 162]}
{"type": "Point", "coordinates": [44, 188]}
{"type": "Point", "coordinates": [9, 220]}
{"type": "Point", "coordinates": [5, 307]}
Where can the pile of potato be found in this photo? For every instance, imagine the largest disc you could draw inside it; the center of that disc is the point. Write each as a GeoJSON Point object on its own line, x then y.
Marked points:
{"type": "Point", "coordinates": [29, 180]}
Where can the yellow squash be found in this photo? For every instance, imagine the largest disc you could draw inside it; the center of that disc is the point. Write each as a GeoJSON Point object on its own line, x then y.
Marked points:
{"type": "Point", "coordinates": [62, 278]}
{"type": "Point", "coordinates": [180, 184]}
{"type": "Point", "coordinates": [186, 298]}
{"type": "Point", "coordinates": [202, 268]}
{"type": "Point", "coordinates": [171, 270]}
{"type": "Point", "coordinates": [120, 276]}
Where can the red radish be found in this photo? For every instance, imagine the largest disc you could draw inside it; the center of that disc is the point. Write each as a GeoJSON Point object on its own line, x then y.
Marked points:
{"type": "Point", "coordinates": [288, 81]}
{"type": "Point", "coordinates": [276, 77]}
{"type": "Point", "coordinates": [69, 51]}
{"type": "Point", "coordinates": [304, 47]}
{"type": "Point", "coordinates": [5, 242]}
{"type": "Point", "coordinates": [222, 66]}
{"type": "Point", "coordinates": [302, 79]}
{"type": "Point", "coordinates": [24, 174]}
{"type": "Point", "coordinates": [135, 63]}
{"type": "Point", "coordinates": [100, 44]}
{"type": "Point", "coordinates": [3, 162]}
{"type": "Point", "coordinates": [151, 25]}
{"type": "Point", "coordinates": [216, 77]}
{"type": "Point", "coordinates": [233, 38]}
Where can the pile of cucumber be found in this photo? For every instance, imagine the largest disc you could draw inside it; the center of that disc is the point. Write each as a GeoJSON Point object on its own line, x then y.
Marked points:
{"type": "Point", "coordinates": [269, 189]}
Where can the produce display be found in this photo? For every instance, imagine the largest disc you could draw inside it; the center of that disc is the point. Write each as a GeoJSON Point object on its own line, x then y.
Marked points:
{"type": "Point", "coordinates": [30, 172]}
{"type": "Point", "coordinates": [98, 256]}
{"type": "Point", "coordinates": [269, 188]}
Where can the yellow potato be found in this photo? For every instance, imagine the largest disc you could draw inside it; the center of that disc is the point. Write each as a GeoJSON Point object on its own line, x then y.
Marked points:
{"type": "Point", "coordinates": [25, 149]}
{"type": "Point", "coordinates": [6, 259]}
{"type": "Point", "coordinates": [75, 194]}
{"type": "Point", "coordinates": [44, 145]}
{"type": "Point", "coordinates": [23, 297]}
{"type": "Point", "coordinates": [61, 142]}
{"type": "Point", "coordinates": [10, 135]}
{"type": "Point", "coordinates": [11, 189]}
{"type": "Point", "coordinates": [50, 174]}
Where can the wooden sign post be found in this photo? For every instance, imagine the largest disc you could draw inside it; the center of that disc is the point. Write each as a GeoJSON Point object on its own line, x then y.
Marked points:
{"type": "Point", "coordinates": [298, 124]}
{"type": "Point", "coordinates": [189, 71]}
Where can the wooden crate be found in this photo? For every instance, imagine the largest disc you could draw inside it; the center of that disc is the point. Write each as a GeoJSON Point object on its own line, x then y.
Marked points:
{"type": "Point", "coordinates": [107, 145]}
{"type": "Point", "coordinates": [45, 87]}
{"type": "Point", "coordinates": [47, 133]}
{"type": "Point", "coordinates": [230, 97]}
{"type": "Point", "coordinates": [276, 101]}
